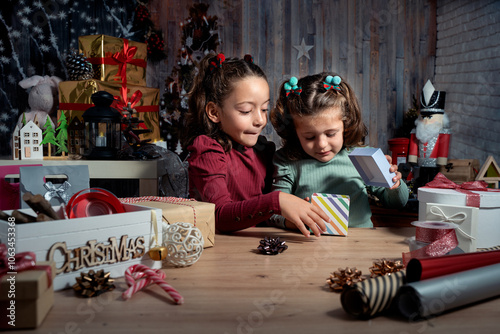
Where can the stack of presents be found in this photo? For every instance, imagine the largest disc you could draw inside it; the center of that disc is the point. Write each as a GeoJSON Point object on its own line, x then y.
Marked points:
{"type": "Point", "coordinates": [119, 67]}
{"type": "Point", "coordinates": [36, 261]}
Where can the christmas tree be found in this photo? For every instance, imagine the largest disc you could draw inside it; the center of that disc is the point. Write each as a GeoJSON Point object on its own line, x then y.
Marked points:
{"type": "Point", "coordinates": [49, 137]}
{"type": "Point", "coordinates": [152, 37]}
{"type": "Point", "coordinates": [62, 135]}
{"type": "Point", "coordinates": [199, 38]}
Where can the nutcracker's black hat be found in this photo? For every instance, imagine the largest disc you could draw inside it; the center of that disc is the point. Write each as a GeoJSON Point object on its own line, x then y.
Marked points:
{"type": "Point", "coordinates": [431, 100]}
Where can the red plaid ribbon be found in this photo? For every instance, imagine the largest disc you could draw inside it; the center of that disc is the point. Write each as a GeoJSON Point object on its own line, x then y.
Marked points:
{"type": "Point", "coordinates": [23, 261]}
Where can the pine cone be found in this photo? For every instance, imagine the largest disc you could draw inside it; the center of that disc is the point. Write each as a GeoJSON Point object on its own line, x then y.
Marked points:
{"type": "Point", "coordinates": [270, 246]}
{"type": "Point", "coordinates": [93, 284]}
{"type": "Point", "coordinates": [78, 67]}
{"type": "Point", "coordinates": [343, 278]}
{"type": "Point", "coordinates": [385, 267]}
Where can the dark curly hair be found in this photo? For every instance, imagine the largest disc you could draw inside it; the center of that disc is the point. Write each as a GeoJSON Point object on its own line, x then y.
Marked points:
{"type": "Point", "coordinates": [214, 84]}
{"type": "Point", "coordinates": [314, 99]}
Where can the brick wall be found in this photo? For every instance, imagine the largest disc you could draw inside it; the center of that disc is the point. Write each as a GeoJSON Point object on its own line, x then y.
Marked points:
{"type": "Point", "coordinates": [468, 69]}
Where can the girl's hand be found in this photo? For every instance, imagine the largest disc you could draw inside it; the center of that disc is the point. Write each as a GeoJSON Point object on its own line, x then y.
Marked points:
{"type": "Point", "coordinates": [302, 213]}
{"type": "Point", "coordinates": [394, 169]}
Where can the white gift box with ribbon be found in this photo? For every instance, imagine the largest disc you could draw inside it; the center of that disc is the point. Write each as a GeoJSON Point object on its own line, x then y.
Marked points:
{"type": "Point", "coordinates": [464, 217]}
{"type": "Point", "coordinates": [488, 212]}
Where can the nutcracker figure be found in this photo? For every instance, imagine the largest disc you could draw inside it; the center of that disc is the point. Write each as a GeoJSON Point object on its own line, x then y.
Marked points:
{"type": "Point", "coordinates": [429, 140]}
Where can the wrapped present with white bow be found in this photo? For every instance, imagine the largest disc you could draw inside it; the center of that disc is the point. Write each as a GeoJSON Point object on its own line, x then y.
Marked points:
{"type": "Point", "coordinates": [486, 201]}
{"type": "Point", "coordinates": [464, 217]}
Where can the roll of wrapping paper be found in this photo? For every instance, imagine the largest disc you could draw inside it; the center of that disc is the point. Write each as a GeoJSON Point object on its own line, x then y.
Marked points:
{"type": "Point", "coordinates": [373, 296]}
{"type": "Point", "coordinates": [420, 269]}
{"type": "Point", "coordinates": [438, 237]}
{"type": "Point", "coordinates": [431, 297]}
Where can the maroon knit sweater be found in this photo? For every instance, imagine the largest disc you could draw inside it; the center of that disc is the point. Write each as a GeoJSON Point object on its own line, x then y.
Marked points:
{"type": "Point", "coordinates": [237, 182]}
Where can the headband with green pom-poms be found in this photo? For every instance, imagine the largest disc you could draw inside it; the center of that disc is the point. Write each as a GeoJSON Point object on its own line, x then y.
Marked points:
{"type": "Point", "coordinates": [332, 82]}
{"type": "Point", "coordinates": [291, 87]}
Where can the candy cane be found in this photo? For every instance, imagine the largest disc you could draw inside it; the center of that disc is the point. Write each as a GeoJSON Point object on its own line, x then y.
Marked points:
{"type": "Point", "coordinates": [138, 276]}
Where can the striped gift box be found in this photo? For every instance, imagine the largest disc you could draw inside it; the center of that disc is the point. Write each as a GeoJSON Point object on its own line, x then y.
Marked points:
{"type": "Point", "coordinates": [337, 208]}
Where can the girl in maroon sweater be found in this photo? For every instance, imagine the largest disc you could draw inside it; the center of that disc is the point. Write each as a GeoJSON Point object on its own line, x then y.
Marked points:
{"type": "Point", "coordinates": [230, 164]}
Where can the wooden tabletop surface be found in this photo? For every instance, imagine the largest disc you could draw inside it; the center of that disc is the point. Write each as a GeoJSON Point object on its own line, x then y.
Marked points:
{"type": "Point", "coordinates": [234, 289]}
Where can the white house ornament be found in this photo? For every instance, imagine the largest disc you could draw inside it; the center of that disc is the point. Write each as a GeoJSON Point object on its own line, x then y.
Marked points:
{"type": "Point", "coordinates": [184, 243]}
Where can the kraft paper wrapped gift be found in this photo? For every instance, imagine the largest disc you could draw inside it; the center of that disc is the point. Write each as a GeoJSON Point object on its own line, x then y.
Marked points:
{"type": "Point", "coordinates": [337, 208]}
{"type": "Point", "coordinates": [200, 214]}
{"type": "Point", "coordinates": [488, 224]}
{"type": "Point", "coordinates": [34, 296]}
{"type": "Point", "coordinates": [75, 98]}
{"type": "Point", "coordinates": [115, 59]}
{"type": "Point", "coordinates": [464, 217]}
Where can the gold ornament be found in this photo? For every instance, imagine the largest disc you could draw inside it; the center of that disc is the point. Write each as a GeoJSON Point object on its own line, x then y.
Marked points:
{"type": "Point", "coordinates": [343, 278]}
{"type": "Point", "coordinates": [385, 267]}
{"type": "Point", "coordinates": [158, 253]}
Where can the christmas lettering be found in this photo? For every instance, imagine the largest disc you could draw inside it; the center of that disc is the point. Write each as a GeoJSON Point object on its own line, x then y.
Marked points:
{"type": "Point", "coordinates": [95, 254]}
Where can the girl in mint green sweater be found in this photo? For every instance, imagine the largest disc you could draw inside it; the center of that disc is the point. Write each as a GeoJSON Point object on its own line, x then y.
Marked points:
{"type": "Point", "coordinates": [319, 121]}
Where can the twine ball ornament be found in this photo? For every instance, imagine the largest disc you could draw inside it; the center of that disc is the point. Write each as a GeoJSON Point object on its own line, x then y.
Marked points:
{"type": "Point", "coordinates": [184, 243]}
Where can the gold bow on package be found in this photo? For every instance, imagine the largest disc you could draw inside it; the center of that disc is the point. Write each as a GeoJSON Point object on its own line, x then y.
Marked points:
{"type": "Point", "coordinates": [75, 98]}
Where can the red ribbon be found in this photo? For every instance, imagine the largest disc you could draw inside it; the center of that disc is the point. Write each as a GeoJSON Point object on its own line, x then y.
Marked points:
{"type": "Point", "coordinates": [121, 58]}
{"type": "Point", "coordinates": [328, 86]}
{"type": "Point", "coordinates": [121, 103]}
{"type": "Point", "coordinates": [439, 242]}
{"type": "Point", "coordinates": [296, 91]}
{"type": "Point", "coordinates": [75, 106]}
{"type": "Point", "coordinates": [126, 56]}
{"type": "Point", "coordinates": [472, 199]}
{"type": "Point", "coordinates": [22, 262]}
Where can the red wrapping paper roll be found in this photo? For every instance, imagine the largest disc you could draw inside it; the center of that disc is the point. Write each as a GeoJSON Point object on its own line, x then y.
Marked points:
{"type": "Point", "coordinates": [424, 268]}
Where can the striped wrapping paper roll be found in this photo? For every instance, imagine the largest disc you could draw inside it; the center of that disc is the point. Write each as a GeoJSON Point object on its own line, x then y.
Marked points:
{"type": "Point", "coordinates": [368, 298]}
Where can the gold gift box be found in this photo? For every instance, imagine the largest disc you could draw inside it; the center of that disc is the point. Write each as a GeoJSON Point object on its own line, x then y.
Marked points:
{"type": "Point", "coordinates": [75, 98]}
{"type": "Point", "coordinates": [107, 53]}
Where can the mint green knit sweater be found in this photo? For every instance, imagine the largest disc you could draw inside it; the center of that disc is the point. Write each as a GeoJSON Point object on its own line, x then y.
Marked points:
{"type": "Point", "coordinates": [337, 176]}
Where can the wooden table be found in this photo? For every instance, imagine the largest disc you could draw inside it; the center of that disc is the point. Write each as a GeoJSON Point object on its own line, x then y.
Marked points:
{"type": "Point", "coordinates": [234, 289]}
{"type": "Point", "coordinates": [147, 171]}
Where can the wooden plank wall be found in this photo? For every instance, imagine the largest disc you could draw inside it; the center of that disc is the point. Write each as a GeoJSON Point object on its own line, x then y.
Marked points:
{"type": "Point", "coordinates": [384, 49]}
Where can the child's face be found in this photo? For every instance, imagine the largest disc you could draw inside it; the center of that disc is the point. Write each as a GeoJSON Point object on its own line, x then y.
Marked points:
{"type": "Point", "coordinates": [243, 114]}
{"type": "Point", "coordinates": [321, 135]}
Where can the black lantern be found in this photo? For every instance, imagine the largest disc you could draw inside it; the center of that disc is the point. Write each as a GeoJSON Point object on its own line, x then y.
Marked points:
{"type": "Point", "coordinates": [102, 128]}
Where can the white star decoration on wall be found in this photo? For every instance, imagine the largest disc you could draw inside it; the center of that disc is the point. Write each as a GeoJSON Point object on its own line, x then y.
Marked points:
{"type": "Point", "coordinates": [303, 49]}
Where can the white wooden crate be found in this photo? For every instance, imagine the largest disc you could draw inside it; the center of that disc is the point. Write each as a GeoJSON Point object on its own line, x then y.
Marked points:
{"type": "Point", "coordinates": [90, 240]}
